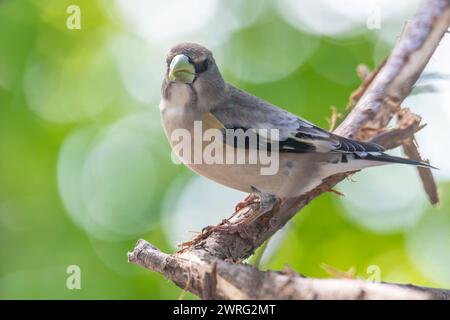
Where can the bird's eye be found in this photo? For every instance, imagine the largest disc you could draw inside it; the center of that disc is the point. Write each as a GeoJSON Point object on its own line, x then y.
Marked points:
{"type": "Point", "coordinates": [201, 66]}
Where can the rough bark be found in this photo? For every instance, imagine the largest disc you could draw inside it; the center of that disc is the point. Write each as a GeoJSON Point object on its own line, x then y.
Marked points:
{"type": "Point", "coordinates": [212, 278]}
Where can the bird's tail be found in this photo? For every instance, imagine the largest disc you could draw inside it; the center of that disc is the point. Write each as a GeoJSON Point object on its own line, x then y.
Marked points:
{"type": "Point", "coordinates": [384, 157]}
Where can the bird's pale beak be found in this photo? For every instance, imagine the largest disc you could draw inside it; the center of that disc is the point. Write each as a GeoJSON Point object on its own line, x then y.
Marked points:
{"type": "Point", "coordinates": [181, 69]}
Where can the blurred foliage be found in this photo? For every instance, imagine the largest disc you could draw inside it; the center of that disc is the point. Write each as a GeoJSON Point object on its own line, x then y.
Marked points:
{"type": "Point", "coordinates": [85, 168]}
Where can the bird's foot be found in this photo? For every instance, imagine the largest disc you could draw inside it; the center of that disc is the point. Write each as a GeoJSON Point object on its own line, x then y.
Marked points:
{"type": "Point", "coordinates": [228, 228]}
{"type": "Point", "coordinates": [336, 192]}
{"type": "Point", "coordinates": [249, 200]}
{"type": "Point", "coordinates": [258, 204]}
{"type": "Point", "coordinates": [239, 227]}
{"type": "Point", "coordinates": [329, 188]}
{"type": "Point", "coordinates": [206, 231]}
{"type": "Point", "coordinates": [350, 178]}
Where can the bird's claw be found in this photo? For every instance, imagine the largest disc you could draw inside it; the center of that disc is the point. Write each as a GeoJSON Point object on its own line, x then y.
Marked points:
{"type": "Point", "coordinates": [258, 204]}
{"type": "Point", "coordinates": [249, 200]}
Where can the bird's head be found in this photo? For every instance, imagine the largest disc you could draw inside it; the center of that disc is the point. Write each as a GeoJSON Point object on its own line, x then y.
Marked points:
{"type": "Point", "coordinates": [192, 65]}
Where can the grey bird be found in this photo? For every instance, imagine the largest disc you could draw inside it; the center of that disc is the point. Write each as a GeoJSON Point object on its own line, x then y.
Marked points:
{"type": "Point", "coordinates": [193, 90]}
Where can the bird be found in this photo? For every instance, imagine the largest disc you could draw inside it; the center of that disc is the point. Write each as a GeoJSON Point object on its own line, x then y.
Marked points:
{"type": "Point", "coordinates": [194, 91]}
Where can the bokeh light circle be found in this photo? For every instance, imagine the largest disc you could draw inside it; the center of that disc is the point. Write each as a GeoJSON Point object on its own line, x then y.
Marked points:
{"type": "Point", "coordinates": [76, 89]}
{"type": "Point", "coordinates": [384, 199]}
{"type": "Point", "coordinates": [265, 52]}
{"type": "Point", "coordinates": [107, 178]}
{"type": "Point", "coordinates": [166, 22]}
{"type": "Point", "coordinates": [428, 244]}
{"type": "Point", "coordinates": [344, 18]}
{"type": "Point", "coordinates": [194, 203]}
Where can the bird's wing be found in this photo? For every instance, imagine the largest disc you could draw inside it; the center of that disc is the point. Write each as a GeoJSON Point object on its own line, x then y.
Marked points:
{"type": "Point", "coordinates": [295, 135]}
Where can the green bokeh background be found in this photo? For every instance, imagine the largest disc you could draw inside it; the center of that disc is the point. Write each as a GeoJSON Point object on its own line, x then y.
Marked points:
{"type": "Point", "coordinates": [75, 142]}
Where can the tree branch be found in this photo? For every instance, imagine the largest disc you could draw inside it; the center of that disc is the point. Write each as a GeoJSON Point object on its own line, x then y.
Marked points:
{"type": "Point", "coordinates": [376, 102]}
{"type": "Point", "coordinates": [213, 278]}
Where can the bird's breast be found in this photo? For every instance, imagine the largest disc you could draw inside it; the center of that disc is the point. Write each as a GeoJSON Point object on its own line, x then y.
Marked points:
{"type": "Point", "coordinates": [177, 96]}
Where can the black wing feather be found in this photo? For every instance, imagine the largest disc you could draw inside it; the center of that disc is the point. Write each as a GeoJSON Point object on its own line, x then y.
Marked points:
{"type": "Point", "coordinates": [246, 112]}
